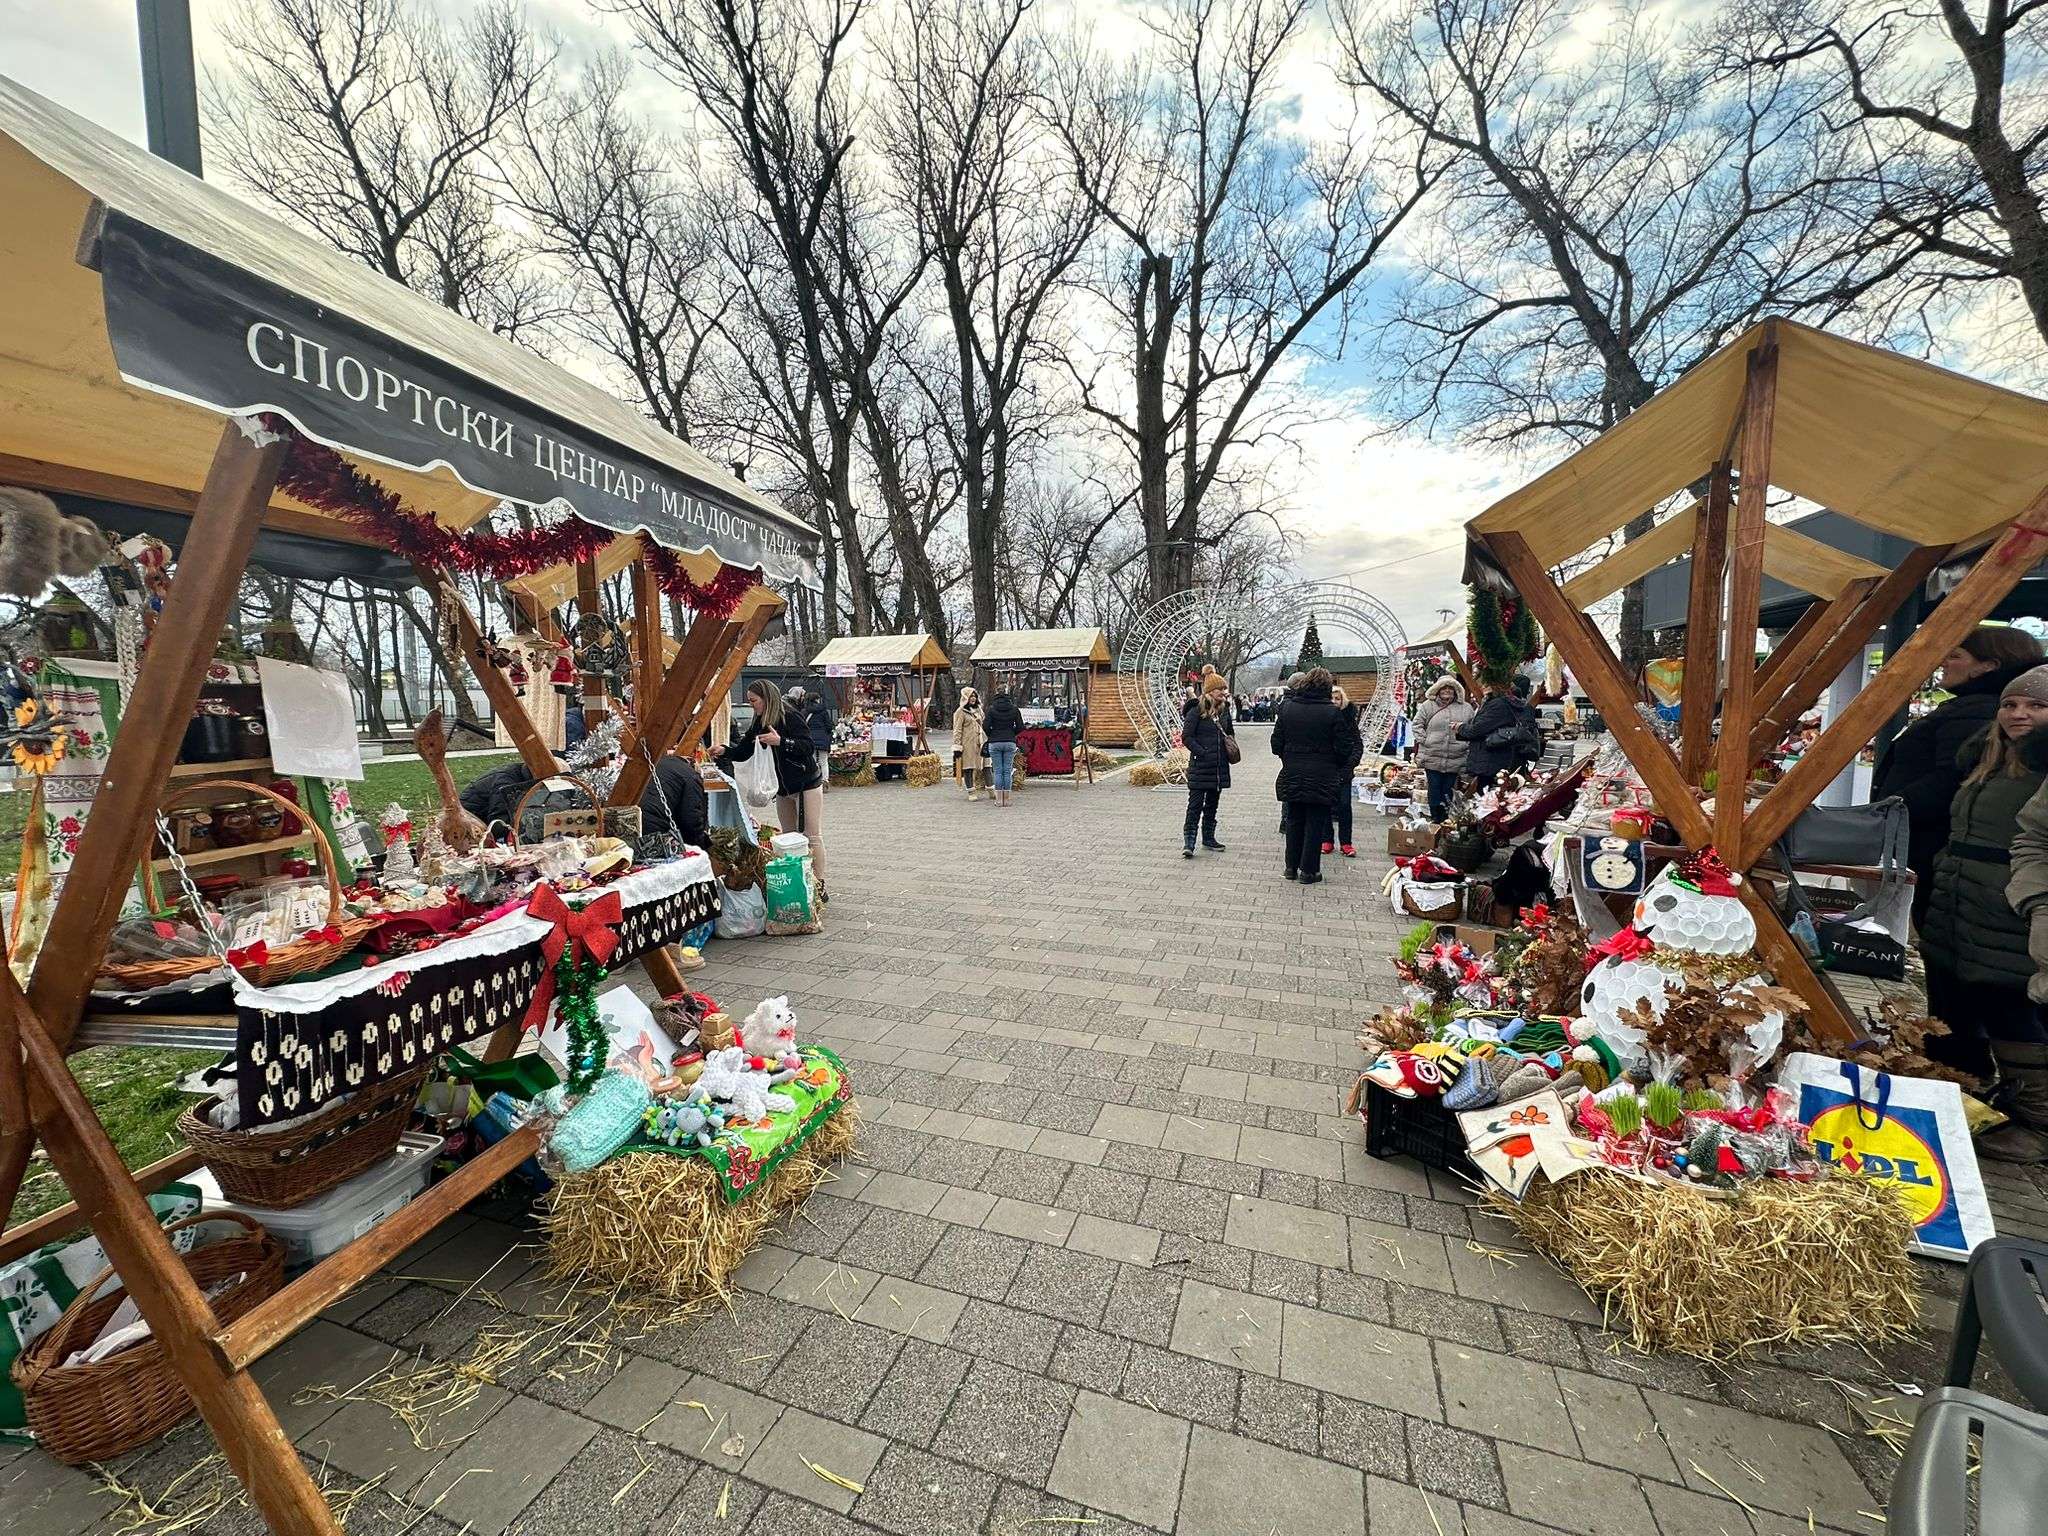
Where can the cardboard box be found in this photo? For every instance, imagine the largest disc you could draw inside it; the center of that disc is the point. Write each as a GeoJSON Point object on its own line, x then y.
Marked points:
{"type": "Point", "coordinates": [1481, 938]}
{"type": "Point", "coordinates": [1407, 842]}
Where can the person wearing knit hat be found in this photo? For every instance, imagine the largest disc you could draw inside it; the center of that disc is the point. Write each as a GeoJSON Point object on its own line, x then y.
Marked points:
{"type": "Point", "coordinates": [1973, 941]}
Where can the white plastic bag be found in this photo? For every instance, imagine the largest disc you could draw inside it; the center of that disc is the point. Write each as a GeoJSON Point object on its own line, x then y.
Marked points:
{"type": "Point", "coordinates": [755, 777]}
{"type": "Point", "coordinates": [743, 914]}
{"type": "Point", "coordinates": [1905, 1132]}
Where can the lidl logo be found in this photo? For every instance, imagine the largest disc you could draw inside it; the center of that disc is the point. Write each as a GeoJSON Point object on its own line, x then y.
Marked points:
{"type": "Point", "coordinates": [1900, 1153]}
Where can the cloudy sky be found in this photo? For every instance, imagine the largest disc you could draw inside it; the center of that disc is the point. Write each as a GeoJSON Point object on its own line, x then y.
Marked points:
{"type": "Point", "coordinates": [1385, 514]}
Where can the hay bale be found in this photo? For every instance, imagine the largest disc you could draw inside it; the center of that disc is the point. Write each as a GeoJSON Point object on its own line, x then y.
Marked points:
{"type": "Point", "coordinates": [655, 1222]}
{"type": "Point", "coordinates": [1148, 775]}
{"type": "Point", "coordinates": [922, 771]}
{"type": "Point", "coordinates": [1176, 766]}
{"type": "Point", "coordinates": [858, 776]}
{"type": "Point", "coordinates": [1775, 1263]}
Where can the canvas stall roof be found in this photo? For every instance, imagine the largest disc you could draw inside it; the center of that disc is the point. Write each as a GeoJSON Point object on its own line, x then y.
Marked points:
{"type": "Point", "coordinates": [1789, 556]}
{"type": "Point", "coordinates": [1069, 646]}
{"type": "Point", "coordinates": [880, 653]}
{"type": "Point", "coordinates": [1894, 443]}
{"type": "Point", "coordinates": [1450, 632]}
{"type": "Point", "coordinates": [144, 304]}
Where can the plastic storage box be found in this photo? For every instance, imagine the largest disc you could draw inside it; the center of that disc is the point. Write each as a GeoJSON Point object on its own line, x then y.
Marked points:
{"type": "Point", "coordinates": [1419, 1128]}
{"type": "Point", "coordinates": [321, 1226]}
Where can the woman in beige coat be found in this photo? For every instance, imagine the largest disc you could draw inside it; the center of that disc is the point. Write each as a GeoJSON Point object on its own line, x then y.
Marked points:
{"type": "Point", "coordinates": [970, 740]}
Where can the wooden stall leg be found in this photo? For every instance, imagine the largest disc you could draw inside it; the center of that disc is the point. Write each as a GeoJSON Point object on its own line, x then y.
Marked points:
{"type": "Point", "coordinates": [647, 634]}
{"type": "Point", "coordinates": [721, 683]}
{"type": "Point", "coordinates": [703, 648]}
{"type": "Point", "coordinates": [1802, 690]}
{"type": "Point", "coordinates": [1745, 593]}
{"type": "Point", "coordinates": [1827, 1010]}
{"type": "Point", "coordinates": [234, 1407]}
{"type": "Point", "coordinates": [536, 754]}
{"type": "Point", "coordinates": [597, 702]}
{"type": "Point", "coordinates": [1703, 629]}
{"type": "Point", "coordinates": [1997, 571]}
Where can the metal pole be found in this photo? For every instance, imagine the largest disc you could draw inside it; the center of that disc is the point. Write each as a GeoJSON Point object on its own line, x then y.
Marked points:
{"type": "Point", "coordinates": [170, 90]}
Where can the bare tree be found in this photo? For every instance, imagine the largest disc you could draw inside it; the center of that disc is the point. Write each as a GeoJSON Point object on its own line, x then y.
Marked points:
{"type": "Point", "coordinates": [371, 122]}
{"type": "Point", "coordinates": [1947, 109]}
{"type": "Point", "coordinates": [1608, 219]}
{"type": "Point", "coordinates": [770, 77]}
{"type": "Point", "coordinates": [1003, 226]}
{"type": "Point", "coordinates": [1234, 244]}
{"type": "Point", "coordinates": [647, 285]}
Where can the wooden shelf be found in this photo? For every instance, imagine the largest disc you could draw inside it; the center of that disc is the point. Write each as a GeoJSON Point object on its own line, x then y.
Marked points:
{"type": "Point", "coordinates": [232, 766]}
{"type": "Point", "coordinates": [241, 851]}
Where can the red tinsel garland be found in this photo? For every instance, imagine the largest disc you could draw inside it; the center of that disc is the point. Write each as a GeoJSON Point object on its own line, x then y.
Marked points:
{"type": "Point", "coordinates": [320, 477]}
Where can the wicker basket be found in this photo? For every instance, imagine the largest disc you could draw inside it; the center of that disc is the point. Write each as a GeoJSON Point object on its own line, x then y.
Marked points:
{"type": "Point", "coordinates": [92, 1412]}
{"type": "Point", "coordinates": [278, 1169]}
{"type": "Point", "coordinates": [286, 962]}
{"type": "Point", "coordinates": [1446, 912]}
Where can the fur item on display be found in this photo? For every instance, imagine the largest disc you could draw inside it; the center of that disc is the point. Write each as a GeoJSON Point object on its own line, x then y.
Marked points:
{"type": "Point", "coordinates": [31, 532]}
{"type": "Point", "coordinates": [729, 1079]}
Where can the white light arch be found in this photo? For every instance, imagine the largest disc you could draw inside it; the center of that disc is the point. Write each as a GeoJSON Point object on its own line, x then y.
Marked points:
{"type": "Point", "coordinates": [1157, 644]}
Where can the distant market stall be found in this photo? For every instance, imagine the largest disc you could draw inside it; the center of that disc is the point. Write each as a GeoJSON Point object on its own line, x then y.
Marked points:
{"type": "Point", "coordinates": [1050, 673]}
{"type": "Point", "coordinates": [881, 688]}
{"type": "Point", "coordinates": [167, 348]}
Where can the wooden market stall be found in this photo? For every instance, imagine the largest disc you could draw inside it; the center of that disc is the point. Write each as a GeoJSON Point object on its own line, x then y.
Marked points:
{"type": "Point", "coordinates": [1956, 466]}
{"type": "Point", "coordinates": [1054, 670]}
{"type": "Point", "coordinates": [889, 679]}
{"type": "Point", "coordinates": [166, 347]}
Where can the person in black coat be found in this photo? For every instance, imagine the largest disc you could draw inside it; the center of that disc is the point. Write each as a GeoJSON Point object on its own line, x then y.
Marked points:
{"type": "Point", "coordinates": [1530, 747]}
{"type": "Point", "coordinates": [1356, 754]}
{"type": "Point", "coordinates": [1313, 743]}
{"type": "Point", "coordinates": [1494, 732]}
{"type": "Point", "coordinates": [1001, 720]}
{"type": "Point", "coordinates": [1204, 727]}
{"type": "Point", "coordinates": [1920, 764]}
{"type": "Point", "coordinates": [799, 770]}
{"type": "Point", "coordinates": [678, 793]}
{"type": "Point", "coordinates": [815, 709]}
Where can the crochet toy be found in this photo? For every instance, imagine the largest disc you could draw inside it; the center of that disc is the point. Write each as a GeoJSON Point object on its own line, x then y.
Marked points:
{"type": "Point", "coordinates": [692, 1121]}
{"type": "Point", "coordinates": [729, 1078]}
{"type": "Point", "coordinates": [769, 1035]}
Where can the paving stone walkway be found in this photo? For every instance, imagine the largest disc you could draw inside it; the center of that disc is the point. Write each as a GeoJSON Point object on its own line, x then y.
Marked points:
{"type": "Point", "coordinates": [1109, 1259]}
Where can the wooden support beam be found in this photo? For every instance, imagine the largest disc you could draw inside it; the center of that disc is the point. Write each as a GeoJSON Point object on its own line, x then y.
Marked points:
{"type": "Point", "coordinates": [1600, 674]}
{"type": "Point", "coordinates": [1803, 690]}
{"type": "Point", "coordinates": [646, 631]}
{"type": "Point", "coordinates": [1703, 628]}
{"type": "Point", "coordinates": [203, 591]}
{"type": "Point", "coordinates": [68, 480]}
{"type": "Point", "coordinates": [156, 1279]}
{"type": "Point", "coordinates": [1997, 571]}
{"type": "Point", "coordinates": [596, 699]}
{"type": "Point", "coordinates": [505, 703]}
{"type": "Point", "coordinates": [721, 684]}
{"type": "Point", "coordinates": [661, 716]}
{"type": "Point", "coordinates": [68, 1218]}
{"type": "Point", "coordinates": [277, 1318]}
{"type": "Point", "coordinates": [1803, 641]}
{"type": "Point", "coordinates": [1745, 591]}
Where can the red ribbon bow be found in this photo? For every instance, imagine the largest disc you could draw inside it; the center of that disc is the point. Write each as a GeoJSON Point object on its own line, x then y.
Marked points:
{"type": "Point", "coordinates": [1625, 945]}
{"type": "Point", "coordinates": [327, 933]}
{"type": "Point", "coordinates": [1426, 867]}
{"type": "Point", "coordinates": [254, 955]}
{"type": "Point", "coordinates": [579, 933]}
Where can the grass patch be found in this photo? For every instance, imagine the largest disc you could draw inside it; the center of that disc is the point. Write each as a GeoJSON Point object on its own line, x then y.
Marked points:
{"type": "Point", "coordinates": [134, 1090]}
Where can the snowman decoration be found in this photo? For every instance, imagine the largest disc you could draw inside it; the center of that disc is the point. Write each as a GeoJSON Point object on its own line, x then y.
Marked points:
{"type": "Point", "coordinates": [1690, 907]}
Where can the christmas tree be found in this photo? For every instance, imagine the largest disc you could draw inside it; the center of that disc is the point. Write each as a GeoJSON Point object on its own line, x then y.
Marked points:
{"type": "Point", "coordinates": [1311, 648]}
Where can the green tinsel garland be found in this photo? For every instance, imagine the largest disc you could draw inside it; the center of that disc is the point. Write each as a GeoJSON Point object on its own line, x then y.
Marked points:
{"type": "Point", "coordinates": [1504, 636]}
{"type": "Point", "coordinates": [576, 1005]}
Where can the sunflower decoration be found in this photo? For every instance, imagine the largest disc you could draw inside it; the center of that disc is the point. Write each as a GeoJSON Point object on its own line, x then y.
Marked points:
{"type": "Point", "coordinates": [36, 738]}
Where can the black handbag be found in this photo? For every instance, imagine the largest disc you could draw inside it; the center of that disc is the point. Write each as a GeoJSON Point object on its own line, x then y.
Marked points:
{"type": "Point", "coordinates": [1871, 835]}
{"type": "Point", "coordinates": [1848, 834]}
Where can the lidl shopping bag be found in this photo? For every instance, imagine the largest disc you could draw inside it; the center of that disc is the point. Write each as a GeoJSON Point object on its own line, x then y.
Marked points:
{"type": "Point", "coordinates": [1906, 1132]}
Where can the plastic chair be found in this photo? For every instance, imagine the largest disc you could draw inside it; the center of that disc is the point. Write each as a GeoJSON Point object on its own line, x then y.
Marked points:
{"type": "Point", "coordinates": [1931, 1492]}
{"type": "Point", "coordinates": [2003, 1291]}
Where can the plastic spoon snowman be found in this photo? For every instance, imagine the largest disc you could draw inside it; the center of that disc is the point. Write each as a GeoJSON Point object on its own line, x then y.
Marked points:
{"type": "Point", "coordinates": [1690, 907]}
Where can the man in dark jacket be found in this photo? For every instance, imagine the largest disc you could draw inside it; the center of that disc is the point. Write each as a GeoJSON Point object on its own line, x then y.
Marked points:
{"type": "Point", "coordinates": [678, 794]}
{"type": "Point", "coordinates": [1313, 743]}
{"type": "Point", "coordinates": [494, 796]}
{"type": "Point", "coordinates": [1919, 765]}
{"type": "Point", "coordinates": [1495, 734]}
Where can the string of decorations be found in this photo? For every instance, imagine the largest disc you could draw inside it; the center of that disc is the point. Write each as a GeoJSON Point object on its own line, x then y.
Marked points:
{"type": "Point", "coordinates": [320, 477]}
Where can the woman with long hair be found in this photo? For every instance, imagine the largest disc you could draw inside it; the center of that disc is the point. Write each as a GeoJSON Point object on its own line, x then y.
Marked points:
{"type": "Point", "coordinates": [1355, 750]}
{"type": "Point", "coordinates": [1001, 721]}
{"type": "Point", "coordinates": [970, 741]}
{"type": "Point", "coordinates": [1974, 944]}
{"type": "Point", "coordinates": [799, 772]}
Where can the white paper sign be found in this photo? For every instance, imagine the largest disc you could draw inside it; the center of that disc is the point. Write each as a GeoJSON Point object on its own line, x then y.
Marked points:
{"type": "Point", "coordinates": [312, 721]}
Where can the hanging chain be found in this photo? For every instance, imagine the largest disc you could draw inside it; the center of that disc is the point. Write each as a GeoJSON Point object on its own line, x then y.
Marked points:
{"type": "Point", "coordinates": [214, 941]}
